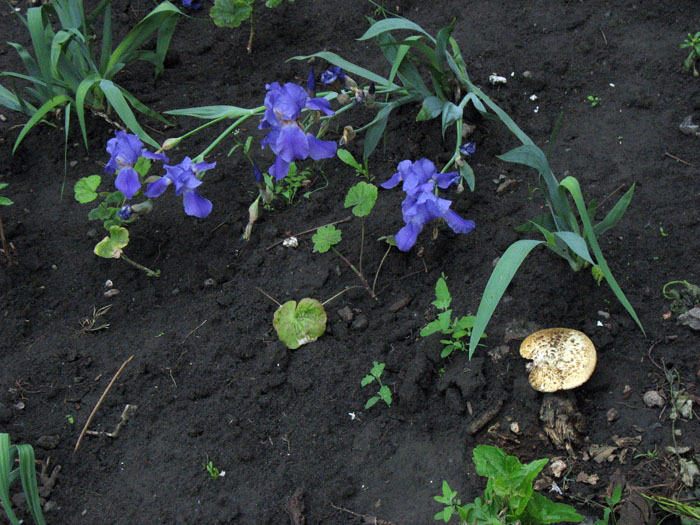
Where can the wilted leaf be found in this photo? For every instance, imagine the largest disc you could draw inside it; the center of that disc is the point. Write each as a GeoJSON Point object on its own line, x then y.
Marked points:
{"type": "Point", "coordinates": [298, 324]}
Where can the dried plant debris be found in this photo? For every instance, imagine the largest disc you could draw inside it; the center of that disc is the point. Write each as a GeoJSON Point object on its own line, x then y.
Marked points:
{"type": "Point", "coordinates": [562, 422]}
{"type": "Point", "coordinates": [95, 322]}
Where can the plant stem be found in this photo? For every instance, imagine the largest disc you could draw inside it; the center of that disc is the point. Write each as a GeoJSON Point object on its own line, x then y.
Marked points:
{"type": "Point", "coordinates": [339, 294]}
{"type": "Point", "coordinates": [376, 275]}
{"type": "Point", "coordinates": [252, 32]}
{"type": "Point", "coordinates": [362, 241]}
{"type": "Point", "coordinates": [5, 248]}
{"type": "Point", "coordinates": [357, 272]}
{"type": "Point", "coordinates": [148, 271]}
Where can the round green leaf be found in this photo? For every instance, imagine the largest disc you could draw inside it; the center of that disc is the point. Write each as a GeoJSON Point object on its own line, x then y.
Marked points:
{"type": "Point", "coordinates": [361, 197]}
{"type": "Point", "coordinates": [325, 237]}
{"type": "Point", "coordinates": [298, 324]}
{"type": "Point", "coordinates": [111, 247]}
{"type": "Point", "coordinates": [4, 201]}
{"type": "Point", "coordinates": [86, 188]}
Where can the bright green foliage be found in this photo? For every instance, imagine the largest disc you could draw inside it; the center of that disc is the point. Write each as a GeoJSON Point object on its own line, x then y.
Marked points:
{"type": "Point", "coordinates": [611, 502]}
{"type": "Point", "coordinates": [298, 324]}
{"type": "Point", "coordinates": [232, 13]}
{"type": "Point", "coordinates": [593, 100]}
{"type": "Point", "coordinates": [26, 472]}
{"type": "Point", "coordinates": [692, 42]}
{"type": "Point", "coordinates": [568, 231]}
{"type": "Point", "coordinates": [361, 170]}
{"type": "Point", "coordinates": [384, 393]}
{"type": "Point", "coordinates": [455, 329]}
{"type": "Point", "coordinates": [290, 186]}
{"type": "Point", "coordinates": [4, 201]}
{"type": "Point", "coordinates": [361, 197]}
{"type": "Point", "coordinates": [67, 71]}
{"type": "Point", "coordinates": [86, 188]}
{"type": "Point", "coordinates": [325, 237]}
{"type": "Point", "coordinates": [214, 472]}
{"type": "Point", "coordinates": [111, 247]}
{"type": "Point", "coordinates": [509, 496]}
{"type": "Point", "coordinates": [446, 96]}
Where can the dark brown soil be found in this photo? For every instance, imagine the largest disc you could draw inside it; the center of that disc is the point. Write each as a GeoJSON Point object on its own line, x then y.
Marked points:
{"type": "Point", "coordinates": [209, 376]}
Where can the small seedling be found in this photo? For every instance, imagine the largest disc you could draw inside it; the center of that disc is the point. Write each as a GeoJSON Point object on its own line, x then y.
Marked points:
{"type": "Point", "coordinates": [4, 201]}
{"type": "Point", "coordinates": [26, 472]}
{"type": "Point", "coordinates": [611, 504]}
{"type": "Point", "coordinates": [594, 100]}
{"type": "Point", "coordinates": [649, 454]}
{"type": "Point", "coordinates": [692, 42]}
{"type": "Point", "coordinates": [683, 297]}
{"type": "Point", "coordinates": [597, 274]}
{"type": "Point", "coordinates": [662, 232]}
{"type": "Point", "coordinates": [456, 328]}
{"type": "Point", "coordinates": [70, 419]}
{"type": "Point", "coordinates": [384, 393]}
{"type": "Point", "coordinates": [509, 496]}
{"type": "Point", "coordinates": [361, 198]}
{"type": "Point", "coordinates": [361, 170]}
{"type": "Point", "coordinates": [214, 472]}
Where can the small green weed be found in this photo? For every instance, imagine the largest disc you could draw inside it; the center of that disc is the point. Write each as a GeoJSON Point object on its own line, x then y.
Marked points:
{"type": "Point", "coordinates": [594, 100]}
{"type": "Point", "coordinates": [384, 393]}
{"type": "Point", "coordinates": [611, 504]}
{"type": "Point", "coordinates": [456, 328]}
{"type": "Point", "coordinates": [214, 472]}
{"type": "Point", "coordinates": [361, 170]}
{"type": "Point", "coordinates": [692, 42]}
{"type": "Point", "coordinates": [509, 496]}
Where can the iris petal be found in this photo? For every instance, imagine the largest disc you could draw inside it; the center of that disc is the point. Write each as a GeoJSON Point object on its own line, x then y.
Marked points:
{"type": "Point", "coordinates": [195, 204]}
{"type": "Point", "coordinates": [127, 182]}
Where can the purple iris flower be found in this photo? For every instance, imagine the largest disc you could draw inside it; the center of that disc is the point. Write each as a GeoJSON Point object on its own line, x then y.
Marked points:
{"type": "Point", "coordinates": [184, 177]}
{"type": "Point", "coordinates": [311, 83]}
{"type": "Point", "coordinates": [467, 149]}
{"type": "Point", "coordinates": [421, 205]}
{"type": "Point", "coordinates": [125, 150]}
{"type": "Point", "coordinates": [257, 173]}
{"type": "Point", "coordinates": [286, 137]}
{"type": "Point", "coordinates": [332, 74]}
{"type": "Point", "coordinates": [191, 4]}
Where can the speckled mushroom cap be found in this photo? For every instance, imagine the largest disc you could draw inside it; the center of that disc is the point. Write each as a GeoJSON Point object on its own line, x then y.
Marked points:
{"type": "Point", "coordinates": [562, 358]}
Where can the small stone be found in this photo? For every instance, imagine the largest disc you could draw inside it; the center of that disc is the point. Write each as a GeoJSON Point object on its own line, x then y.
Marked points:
{"type": "Point", "coordinates": [360, 323]}
{"type": "Point", "coordinates": [50, 506]}
{"type": "Point", "coordinates": [346, 314]}
{"type": "Point", "coordinates": [111, 292]}
{"type": "Point", "coordinates": [73, 163]}
{"type": "Point", "coordinates": [48, 442]}
{"type": "Point", "coordinates": [603, 314]}
{"type": "Point", "coordinates": [613, 415]}
{"type": "Point", "coordinates": [208, 283]}
{"type": "Point", "coordinates": [653, 399]}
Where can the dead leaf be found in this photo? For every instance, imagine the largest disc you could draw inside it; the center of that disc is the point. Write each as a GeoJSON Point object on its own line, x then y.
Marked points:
{"type": "Point", "coordinates": [689, 471]}
{"type": "Point", "coordinates": [601, 453]}
{"type": "Point", "coordinates": [590, 479]}
{"type": "Point", "coordinates": [557, 467]}
{"type": "Point", "coordinates": [627, 441]}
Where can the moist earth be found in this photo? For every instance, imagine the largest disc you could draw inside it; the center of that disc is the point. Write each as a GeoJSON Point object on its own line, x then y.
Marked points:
{"type": "Point", "coordinates": [209, 376]}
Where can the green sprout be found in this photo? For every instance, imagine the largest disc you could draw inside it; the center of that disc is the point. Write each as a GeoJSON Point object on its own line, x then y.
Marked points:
{"type": "Point", "coordinates": [384, 393]}
{"type": "Point", "coordinates": [26, 472]}
{"type": "Point", "coordinates": [361, 170]}
{"type": "Point", "coordinates": [214, 472]}
{"type": "Point", "coordinates": [70, 419]}
{"type": "Point", "coordinates": [692, 42]}
{"type": "Point", "coordinates": [4, 201]}
{"type": "Point", "coordinates": [611, 503]}
{"type": "Point", "coordinates": [455, 329]}
{"type": "Point", "coordinates": [594, 100]}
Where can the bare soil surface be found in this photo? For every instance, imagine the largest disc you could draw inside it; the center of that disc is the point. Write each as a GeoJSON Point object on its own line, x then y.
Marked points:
{"type": "Point", "coordinates": [209, 376]}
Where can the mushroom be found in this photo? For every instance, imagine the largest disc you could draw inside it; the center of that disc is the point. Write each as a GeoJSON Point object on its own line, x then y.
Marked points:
{"type": "Point", "coordinates": [562, 359]}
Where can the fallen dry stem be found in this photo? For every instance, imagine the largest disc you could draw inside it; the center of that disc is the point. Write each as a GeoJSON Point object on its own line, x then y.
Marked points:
{"type": "Point", "coordinates": [99, 402]}
{"type": "Point", "coordinates": [346, 219]}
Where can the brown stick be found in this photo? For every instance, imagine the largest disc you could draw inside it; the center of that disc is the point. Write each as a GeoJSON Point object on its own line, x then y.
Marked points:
{"type": "Point", "coordinates": [99, 402]}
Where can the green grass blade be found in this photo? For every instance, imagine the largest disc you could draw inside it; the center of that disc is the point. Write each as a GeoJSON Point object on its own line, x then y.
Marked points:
{"type": "Point", "coordinates": [10, 100]}
{"type": "Point", "coordinates": [214, 112]}
{"type": "Point", "coordinates": [27, 472]}
{"type": "Point", "coordinates": [40, 31]}
{"type": "Point", "coordinates": [83, 89]}
{"type": "Point", "coordinates": [407, 72]}
{"type": "Point", "coordinates": [140, 106]}
{"type": "Point", "coordinates": [393, 24]}
{"type": "Point", "coordinates": [441, 44]}
{"type": "Point", "coordinates": [56, 101]}
{"type": "Point", "coordinates": [573, 187]}
{"type": "Point", "coordinates": [576, 244]}
{"type": "Point", "coordinates": [28, 60]}
{"type": "Point", "coordinates": [375, 130]}
{"type": "Point", "coordinates": [165, 35]}
{"type": "Point", "coordinates": [118, 102]}
{"type": "Point", "coordinates": [496, 286]}
{"type": "Point", "coordinates": [106, 49]}
{"type": "Point", "coordinates": [151, 23]}
{"type": "Point", "coordinates": [349, 67]}
{"type": "Point", "coordinates": [614, 215]}
{"type": "Point", "coordinates": [6, 460]}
